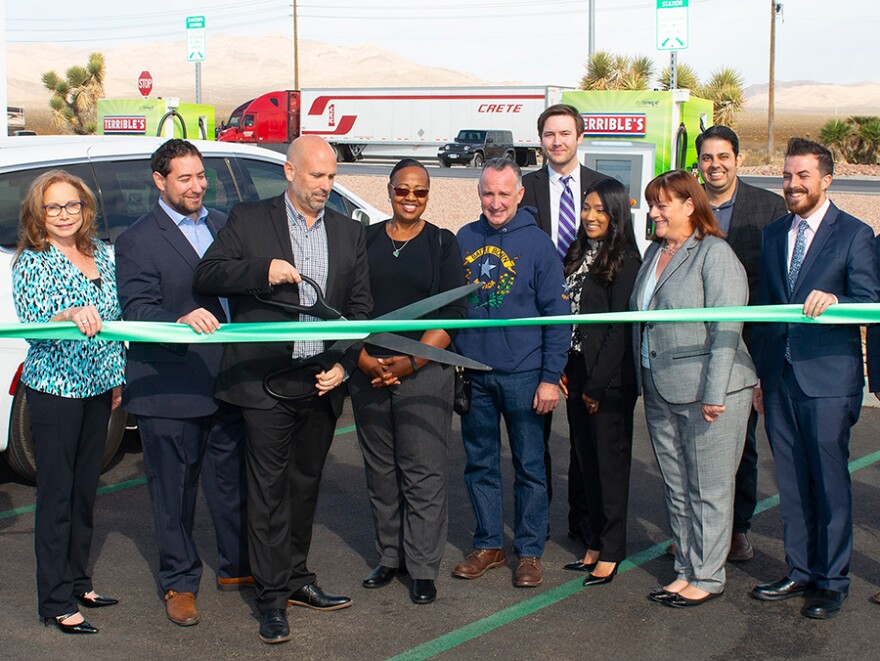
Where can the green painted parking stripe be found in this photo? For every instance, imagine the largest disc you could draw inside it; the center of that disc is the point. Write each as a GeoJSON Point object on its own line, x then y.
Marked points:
{"type": "Point", "coordinates": [489, 623]}
{"type": "Point", "coordinates": [111, 488]}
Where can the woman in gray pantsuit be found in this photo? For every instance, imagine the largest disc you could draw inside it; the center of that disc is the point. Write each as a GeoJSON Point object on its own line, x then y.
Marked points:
{"type": "Point", "coordinates": [697, 380]}
{"type": "Point", "coordinates": [402, 404]}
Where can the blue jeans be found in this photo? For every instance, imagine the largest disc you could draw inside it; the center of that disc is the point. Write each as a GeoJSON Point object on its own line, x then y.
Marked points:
{"type": "Point", "coordinates": [509, 395]}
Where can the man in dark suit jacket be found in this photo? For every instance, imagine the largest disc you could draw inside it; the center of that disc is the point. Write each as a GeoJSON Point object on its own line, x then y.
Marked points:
{"type": "Point", "coordinates": [812, 377]}
{"type": "Point", "coordinates": [561, 130]}
{"type": "Point", "coordinates": [184, 431]}
{"type": "Point", "coordinates": [742, 211]}
{"type": "Point", "coordinates": [872, 346]}
{"type": "Point", "coordinates": [287, 442]}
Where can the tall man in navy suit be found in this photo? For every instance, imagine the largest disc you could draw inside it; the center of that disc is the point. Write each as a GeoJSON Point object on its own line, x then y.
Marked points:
{"type": "Point", "coordinates": [185, 432]}
{"type": "Point", "coordinates": [742, 211]}
{"type": "Point", "coordinates": [812, 377]}
{"type": "Point", "coordinates": [561, 130]}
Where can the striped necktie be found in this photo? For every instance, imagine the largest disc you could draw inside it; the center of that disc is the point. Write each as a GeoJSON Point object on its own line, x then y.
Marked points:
{"type": "Point", "coordinates": [567, 224]}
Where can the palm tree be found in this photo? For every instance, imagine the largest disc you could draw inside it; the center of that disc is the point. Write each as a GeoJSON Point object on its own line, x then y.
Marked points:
{"type": "Point", "coordinates": [610, 71]}
{"type": "Point", "coordinates": [869, 135]}
{"type": "Point", "coordinates": [837, 135]}
{"type": "Point", "coordinates": [725, 90]}
{"type": "Point", "coordinates": [74, 99]}
{"type": "Point", "coordinates": [856, 140]}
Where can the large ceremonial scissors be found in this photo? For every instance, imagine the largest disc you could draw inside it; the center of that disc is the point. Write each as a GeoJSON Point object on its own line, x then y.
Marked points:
{"type": "Point", "coordinates": [399, 344]}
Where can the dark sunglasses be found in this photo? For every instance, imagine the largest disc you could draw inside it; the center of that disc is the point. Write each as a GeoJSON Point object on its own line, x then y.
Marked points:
{"type": "Point", "coordinates": [420, 193]}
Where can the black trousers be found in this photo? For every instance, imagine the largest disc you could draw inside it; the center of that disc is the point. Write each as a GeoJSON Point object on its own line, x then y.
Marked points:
{"type": "Point", "coordinates": [745, 498]}
{"type": "Point", "coordinates": [177, 452]}
{"type": "Point", "coordinates": [602, 446]}
{"type": "Point", "coordinates": [286, 447]}
{"type": "Point", "coordinates": [69, 437]}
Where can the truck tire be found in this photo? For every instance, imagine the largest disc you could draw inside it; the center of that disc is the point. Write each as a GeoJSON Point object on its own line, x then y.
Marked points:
{"type": "Point", "coordinates": [20, 453]}
{"type": "Point", "coordinates": [522, 158]}
{"type": "Point", "coordinates": [340, 157]}
{"type": "Point", "coordinates": [445, 163]}
{"type": "Point", "coordinates": [477, 161]}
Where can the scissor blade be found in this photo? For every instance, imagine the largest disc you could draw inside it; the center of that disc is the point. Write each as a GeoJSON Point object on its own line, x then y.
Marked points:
{"type": "Point", "coordinates": [426, 305]}
{"type": "Point", "coordinates": [406, 346]}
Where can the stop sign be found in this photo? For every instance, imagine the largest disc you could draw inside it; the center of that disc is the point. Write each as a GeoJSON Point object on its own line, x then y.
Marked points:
{"type": "Point", "coordinates": [145, 83]}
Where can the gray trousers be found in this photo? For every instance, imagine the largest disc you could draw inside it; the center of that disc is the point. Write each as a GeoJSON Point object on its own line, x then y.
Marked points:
{"type": "Point", "coordinates": [404, 436]}
{"type": "Point", "coordinates": [698, 462]}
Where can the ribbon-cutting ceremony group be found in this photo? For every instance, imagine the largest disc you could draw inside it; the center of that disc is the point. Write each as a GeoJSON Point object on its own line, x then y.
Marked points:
{"type": "Point", "coordinates": [254, 420]}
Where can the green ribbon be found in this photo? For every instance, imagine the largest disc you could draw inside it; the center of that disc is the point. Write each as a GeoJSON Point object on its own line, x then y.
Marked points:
{"type": "Point", "coordinates": [143, 331]}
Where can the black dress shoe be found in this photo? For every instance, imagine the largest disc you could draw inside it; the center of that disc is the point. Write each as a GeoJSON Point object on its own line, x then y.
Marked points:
{"type": "Point", "coordinates": [380, 577]}
{"type": "Point", "coordinates": [600, 580]}
{"type": "Point", "coordinates": [660, 595]}
{"type": "Point", "coordinates": [823, 604]}
{"type": "Point", "coordinates": [82, 627]}
{"type": "Point", "coordinates": [577, 565]}
{"type": "Point", "coordinates": [679, 601]}
{"type": "Point", "coordinates": [422, 591]}
{"type": "Point", "coordinates": [95, 602]}
{"type": "Point", "coordinates": [273, 626]}
{"type": "Point", "coordinates": [784, 588]}
{"type": "Point", "coordinates": [311, 596]}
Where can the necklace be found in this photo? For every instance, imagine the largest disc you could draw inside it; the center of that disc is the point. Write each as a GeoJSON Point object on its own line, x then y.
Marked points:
{"type": "Point", "coordinates": [666, 250]}
{"type": "Point", "coordinates": [396, 251]}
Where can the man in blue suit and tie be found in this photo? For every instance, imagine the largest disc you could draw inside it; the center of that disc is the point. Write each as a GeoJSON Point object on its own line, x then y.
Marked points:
{"type": "Point", "coordinates": [811, 377]}
{"type": "Point", "coordinates": [185, 432]}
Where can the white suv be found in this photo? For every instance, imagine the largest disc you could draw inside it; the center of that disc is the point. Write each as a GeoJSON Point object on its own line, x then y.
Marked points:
{"type": "Point", "coordinates": [117, 169]}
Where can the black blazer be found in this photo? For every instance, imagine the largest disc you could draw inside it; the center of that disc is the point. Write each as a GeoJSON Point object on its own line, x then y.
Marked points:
{"type": "Point", "coordinates": [873, 344]}
{"type": "Point", "coordinates": [237, 266]}
{"type": "Point", "coordinates": [537, 194]}
{"type": "Point", "coordinates": [155, 265]}
{"type": "Point", "coordinates": [607, 348]}
{"type": "Point", "coordinates": [754, 209]}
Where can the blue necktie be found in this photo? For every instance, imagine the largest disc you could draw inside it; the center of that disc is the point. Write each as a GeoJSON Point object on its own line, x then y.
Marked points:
{"type": "Point", "coordinates": [797, 259]}
{"type": "Point", "coordinates": [567, 224]}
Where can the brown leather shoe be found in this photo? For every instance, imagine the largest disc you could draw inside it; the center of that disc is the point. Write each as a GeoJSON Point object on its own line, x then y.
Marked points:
{"type": "Point", "coordinates": [479, 562]}
{"type": "Point", "coordinates": [528, 573]}
{"type": "Point", "coordinates": [235, 583]}
{"type": "Point", "coordinates": [181, 608]}
{"type": "Point", "coordinates": [740, 548]}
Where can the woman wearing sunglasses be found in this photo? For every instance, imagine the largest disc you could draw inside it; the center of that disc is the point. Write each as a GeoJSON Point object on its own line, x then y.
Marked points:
{"type": "Point", "coordinates": [403, 404]}
{"type": "Point", "coordinates": [61, 272]}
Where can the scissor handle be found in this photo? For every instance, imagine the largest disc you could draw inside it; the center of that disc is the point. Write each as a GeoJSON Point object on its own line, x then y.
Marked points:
{"type": "Point", "coordinates": [320, 309]}
{"type": "Point", "coordinates": [323, 360]}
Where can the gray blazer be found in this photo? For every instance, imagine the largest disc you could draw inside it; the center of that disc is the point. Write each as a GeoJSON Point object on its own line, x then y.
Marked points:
{"type": "Point", "coordinates": [695, 361]}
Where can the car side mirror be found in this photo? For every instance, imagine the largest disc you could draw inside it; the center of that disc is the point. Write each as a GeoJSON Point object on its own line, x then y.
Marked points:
{"type": "Point", "coordinates": [361, 216]}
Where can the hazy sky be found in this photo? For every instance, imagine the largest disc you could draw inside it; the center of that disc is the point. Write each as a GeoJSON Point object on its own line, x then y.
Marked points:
{"type": "Point", "coordinates": [533, 41]}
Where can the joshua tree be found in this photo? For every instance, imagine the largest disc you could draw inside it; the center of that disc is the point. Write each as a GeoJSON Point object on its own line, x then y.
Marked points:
{"type": "Point", "coordinates": [725, 90]}
{"type": "Point", "coordinates": [687, 77]}
{"type": "Point", "coordinates": [608, 71]}
{"type": "Point", "coordinates": [74, 99]}
{"type": "Point", "coordinates": [855, 140]}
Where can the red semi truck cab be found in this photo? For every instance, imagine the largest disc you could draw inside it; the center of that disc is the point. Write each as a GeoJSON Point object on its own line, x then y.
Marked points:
{"type": "Point", "coordinates": [270, 118]}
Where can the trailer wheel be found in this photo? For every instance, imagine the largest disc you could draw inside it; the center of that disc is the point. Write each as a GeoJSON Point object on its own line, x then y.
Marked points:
{"type": "Point", "coordinates": [510, 156]}
{"type": "Point", "coordinates": [20, 453]}
{"type": "Point", "coordinates": [338, 149]}
{"type": "Point", "coordinates": [478, 160]}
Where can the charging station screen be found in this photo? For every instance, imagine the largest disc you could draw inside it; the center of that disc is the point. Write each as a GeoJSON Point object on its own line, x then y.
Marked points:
{"type": "Point", "coordinates": [617, 168]}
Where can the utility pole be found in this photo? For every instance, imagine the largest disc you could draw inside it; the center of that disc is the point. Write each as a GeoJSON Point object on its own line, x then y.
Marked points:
{"type": "Point", "coordinates": [771, 87]}
{"type": "Point", "coordinates": [295, 50]}
{"type": "Point", "coordinates": [592, 44]}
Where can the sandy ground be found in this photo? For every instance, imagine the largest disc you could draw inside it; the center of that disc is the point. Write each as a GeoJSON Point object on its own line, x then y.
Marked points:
{"type": "Point", "coordinates": [454, 202]}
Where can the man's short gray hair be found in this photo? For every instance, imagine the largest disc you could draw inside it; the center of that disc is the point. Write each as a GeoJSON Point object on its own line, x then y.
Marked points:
{"type": "Point", "coordinates": [500, 164]}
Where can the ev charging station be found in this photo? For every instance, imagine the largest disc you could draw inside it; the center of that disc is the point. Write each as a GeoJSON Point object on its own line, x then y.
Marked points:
{"type": "Point", "coordinates": [634, 136]}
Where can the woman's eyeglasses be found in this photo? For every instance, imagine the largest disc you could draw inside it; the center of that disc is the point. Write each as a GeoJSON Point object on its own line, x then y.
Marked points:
{"type": "Point", "coordinates": [72, 209]}
{"type": "Point", "coordinates": [420, 193]}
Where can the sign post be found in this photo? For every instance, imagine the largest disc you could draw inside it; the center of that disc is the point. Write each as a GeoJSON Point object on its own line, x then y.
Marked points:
{"type": "Point", "coordinates": [672, 32]}
{"type": "Point", "coordinates": [196, 48]}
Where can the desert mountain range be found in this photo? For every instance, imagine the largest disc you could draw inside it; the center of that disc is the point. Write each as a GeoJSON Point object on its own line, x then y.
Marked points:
{"type": "Point", "coordinates": [239, 68]}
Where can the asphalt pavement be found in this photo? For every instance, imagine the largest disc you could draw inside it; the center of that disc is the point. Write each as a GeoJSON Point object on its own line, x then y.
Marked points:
{"type": "Point", "coordinates": [486, 618]}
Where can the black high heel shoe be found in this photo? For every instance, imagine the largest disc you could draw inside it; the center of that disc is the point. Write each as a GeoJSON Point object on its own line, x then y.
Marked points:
{"type": "Point", "coordinates": [81, 627]}
{"type": "Point", "coordinates": [95, 602]}
{"type": "Point", "coordinates": [601, 580]}
{"type": "Point", "coordinates": [577, 565]}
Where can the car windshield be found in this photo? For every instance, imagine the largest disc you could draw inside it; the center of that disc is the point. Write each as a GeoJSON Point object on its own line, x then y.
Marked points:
{"type": "Point", "coordinates": [471, 136]}
{"type": "Point", "coordinates": [235, 117]}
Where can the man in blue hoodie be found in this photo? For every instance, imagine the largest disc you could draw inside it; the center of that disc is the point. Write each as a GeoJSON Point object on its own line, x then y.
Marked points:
{"type": "Point", "coordinates": [522, 277]}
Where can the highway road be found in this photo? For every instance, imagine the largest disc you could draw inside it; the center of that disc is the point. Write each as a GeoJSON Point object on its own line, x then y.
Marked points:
{"type": "Point", "coordinates": [857, 185]}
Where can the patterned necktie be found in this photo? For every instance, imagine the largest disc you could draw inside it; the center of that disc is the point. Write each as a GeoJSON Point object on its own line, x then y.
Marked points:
{"type": "Point", "coordinates": [567, 225]}
{"type": "Point", "coordinates": [797, 259]}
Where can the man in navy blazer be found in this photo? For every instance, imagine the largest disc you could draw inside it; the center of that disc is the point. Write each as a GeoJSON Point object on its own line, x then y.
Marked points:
{"type": "Point", "coordinates": [185, 432]}
{"type": "Point", "coordinates": [561, 130]}
{"type": "Point", "coordinates": [743, 211]}
{"type": "Point", "coordinates": [812, 377]}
